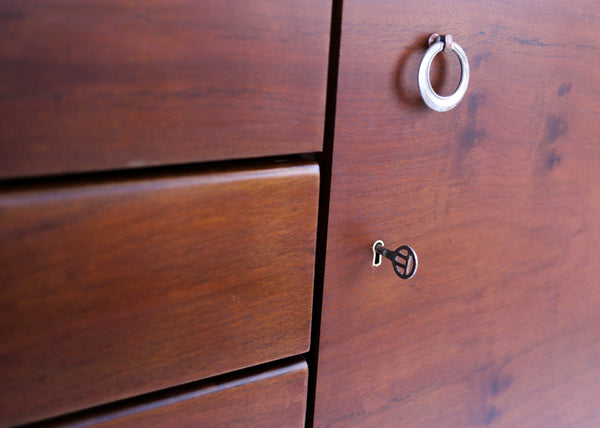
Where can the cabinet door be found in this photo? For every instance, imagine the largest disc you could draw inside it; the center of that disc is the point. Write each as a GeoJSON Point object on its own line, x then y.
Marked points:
{"type": "Point", "coordinates": [499, 197]}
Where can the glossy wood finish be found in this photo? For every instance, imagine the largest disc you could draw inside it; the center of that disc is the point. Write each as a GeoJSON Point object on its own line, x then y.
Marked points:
{"type": "Point", "coordinates": [272, 398]}
{"type": "Point", "coordinates": [119, 84]}
{"type": "Point", "coordinates": [110, 290]}
{"type": "Point", "coordinates": [499, 197]}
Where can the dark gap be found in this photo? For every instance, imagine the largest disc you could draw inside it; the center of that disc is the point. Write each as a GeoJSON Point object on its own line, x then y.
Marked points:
{"type": "Point", "coordinates": [325, 161]}
{"type": "Point", "coordinates": [101, 177]}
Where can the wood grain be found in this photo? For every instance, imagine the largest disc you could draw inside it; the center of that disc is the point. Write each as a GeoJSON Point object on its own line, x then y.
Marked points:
{"type": "Point", "coordinates": [122, 84]}
{"type": "Point", "coordinates": [499, 197]}
{"type": "Point", "coordinates": [115, 289]}
{"type": "Point", "coordinates": [272, 398]}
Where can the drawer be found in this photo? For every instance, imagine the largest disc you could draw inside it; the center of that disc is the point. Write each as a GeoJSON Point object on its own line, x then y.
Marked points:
{"type": "Point", "coordinates": [269, 398]}
{"type": "Point", "coordinates": [119, 84]}
{"type": "Point", "coordinates": [111, 290]}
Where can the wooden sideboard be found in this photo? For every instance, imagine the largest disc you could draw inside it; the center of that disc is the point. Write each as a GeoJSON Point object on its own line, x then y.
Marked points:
{"type": "Point", "coordinates": [190, 193]}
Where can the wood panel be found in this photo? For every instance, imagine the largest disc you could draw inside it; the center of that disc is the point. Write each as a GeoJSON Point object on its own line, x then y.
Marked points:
{"type": "Point", "coordinates": [499, 197]}
{"type": "Point", "coordinates": [114, 289]}
{"type": "Point", "coordinates": [120, 84]}
{"type": "Point", "coordinates": [270, 398]}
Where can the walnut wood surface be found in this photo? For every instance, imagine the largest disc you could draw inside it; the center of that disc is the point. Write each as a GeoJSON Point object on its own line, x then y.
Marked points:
{"type": "Point", "coordinates": [499, 197]}
{"type": "Point", "coordinates": [102, 84]}
{"type": "Point", "coordinates": [114, 289]}
{"type": "Point", "coordinates": [273, 398]}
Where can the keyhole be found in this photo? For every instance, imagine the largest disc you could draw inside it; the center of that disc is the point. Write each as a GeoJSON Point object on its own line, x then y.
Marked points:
{"type": "Point", "coordinates": [377, 258]}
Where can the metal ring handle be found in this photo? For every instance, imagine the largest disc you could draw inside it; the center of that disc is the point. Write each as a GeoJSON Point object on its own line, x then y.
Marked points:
{"type": "Point", "coordinates": [434, 101]}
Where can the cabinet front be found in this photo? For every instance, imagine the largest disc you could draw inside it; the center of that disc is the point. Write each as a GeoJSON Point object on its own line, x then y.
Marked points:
{"type": "Point", "coordinates": [500, 200]}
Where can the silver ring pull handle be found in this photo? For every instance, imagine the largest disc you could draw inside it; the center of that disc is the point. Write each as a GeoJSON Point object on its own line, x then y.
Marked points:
{"type": "Point", "coordinates": [404, 259]}
{"type": "Point", "coordinates": [434, 101]}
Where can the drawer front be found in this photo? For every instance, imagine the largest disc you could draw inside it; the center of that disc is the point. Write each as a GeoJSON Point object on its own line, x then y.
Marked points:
{"type": "Point", "coordinates": [116, 289]}
{"type": "Point", "coordinates": [271, 398]}
{"type": "Point", "coordinates": [500, 198]}
{"type": "Point", "coordinates": [120, 84]}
